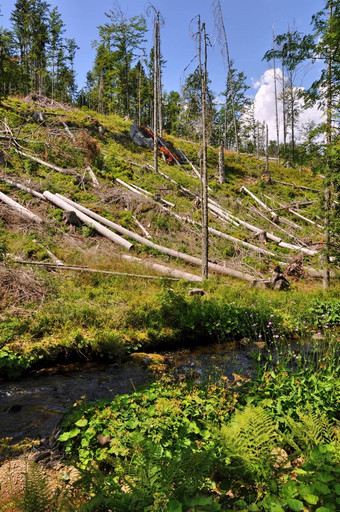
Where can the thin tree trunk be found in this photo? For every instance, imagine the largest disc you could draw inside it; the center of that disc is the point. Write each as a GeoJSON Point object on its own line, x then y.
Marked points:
{"type": "Point", "coordinates": [221, 170]}
{"type": "Point", "coordinates": [155, 96]}
{"type": "Point", "coordinates": [159, 79]}
{"type": "Point", "coordinates": [276, 110]}
{"type": "Point", "coordinates": [284, 109]}
{"type": "Point", "coordinates": [203, 74]}
{"type": "Point", "coordinates": [327, 196]}
{"type": "Point", "coordinates": [223, 35]}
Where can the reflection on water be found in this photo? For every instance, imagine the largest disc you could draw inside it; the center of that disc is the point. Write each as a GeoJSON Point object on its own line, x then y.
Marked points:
{"type": "Point", "coordinates": [32, 407]}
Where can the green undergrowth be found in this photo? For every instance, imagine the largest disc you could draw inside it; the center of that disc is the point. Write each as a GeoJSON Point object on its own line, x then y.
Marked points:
{"type": "Point", "coordinates": [234, 445]}
{"type": "Point", "coordinates": [91, 316]}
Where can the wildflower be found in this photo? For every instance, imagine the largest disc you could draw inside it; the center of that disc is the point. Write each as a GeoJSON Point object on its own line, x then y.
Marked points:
{"type": "Point", "coordinates": [269, 323]}
{"type": "Point", "coordinates": [277, 336]}
{"type": "Point", "coordinates": [260, 335]}
{"type": "Point", "coordinates": [296, 329]}
{"type": "Point", "coordinates": [271, 316]}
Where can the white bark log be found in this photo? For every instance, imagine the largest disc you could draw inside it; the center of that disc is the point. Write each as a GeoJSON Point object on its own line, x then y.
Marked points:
{"type": "Point", "coordinates": [46, 164]}
{"type": "Point", "coordinates": [54, 258]}
{"type": "Point", "coordinates": [91, 270]}
{"type": "Point", "coordinates": [191, 165]}
{"type": "Point", "coordinates": [61, 203]}
{"type": "Point", "coordinates": [92, 176]}
{"type": "Point", "coordinates": [68, 131]}
{"type": "Point", "coordinates": [165, 250]}
{"type": "Point", "coordinates": [164, 269]}
{"type": "Point", "coordinates": [21, 210]}
{"type": "Point", "coordinates": [142, 228]}
{"type": "Point", "coordinates": [22, 187]}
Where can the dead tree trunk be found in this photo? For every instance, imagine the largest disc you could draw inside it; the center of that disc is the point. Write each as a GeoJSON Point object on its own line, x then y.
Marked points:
{"type": "Point", "coordinates": [221, 170]}
{"type": "Point", "coordinates": [204, 179]}
{"type": "Point", "coordinates": [276, 109]}
{"type": "Point", "coordinates": [21, 210]}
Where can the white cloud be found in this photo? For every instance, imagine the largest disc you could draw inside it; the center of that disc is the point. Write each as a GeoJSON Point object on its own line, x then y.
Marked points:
{"type": "Point", "coordinates": [265, 105]}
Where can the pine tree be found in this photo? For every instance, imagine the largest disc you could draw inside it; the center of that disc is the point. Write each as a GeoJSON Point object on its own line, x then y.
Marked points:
{"type": "Point", "coordinates": [56, 29]}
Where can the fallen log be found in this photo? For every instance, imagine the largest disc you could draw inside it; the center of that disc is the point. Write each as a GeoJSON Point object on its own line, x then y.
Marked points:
{"type": "Point", "coordinates": [21, 210]}
{"type": "Point", "coordinates": [142, 192]}
{"type": "Point", "coordinates": [163, 269]}
{"type": "Point", "coordinates": [68, 131]}
{"type": "Point", "coordinates": [91, 270]}
{"type": "Point", "coordinates": [53, 257]}
{"type": "Point", "coordinates": [61, 203]}
{"type": "Point", "coordinates": [165, 250]}
{"type": "Point", "coordinates": [22, 187]}
{"type": "Point", "coordinates": [142, 228]}
{"type": "Point", "coordinates": [92, 176]}
{"type": "Point", "coordinates": [294, 185]}
{"type": "Point", "coordinates": [70, 172]}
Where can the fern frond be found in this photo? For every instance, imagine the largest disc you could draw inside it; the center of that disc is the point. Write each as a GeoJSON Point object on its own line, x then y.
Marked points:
{"type": "Point", "coordinates": [250, 437]}
{"type": "Point", "coordinates": [313, 429]}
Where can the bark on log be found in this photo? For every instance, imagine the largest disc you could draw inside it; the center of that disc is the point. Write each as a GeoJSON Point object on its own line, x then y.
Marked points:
{"type": "Point", "coordinates": [91, 270]}
{"type": "Point", "coordinates": [68, 131]}
{"type": "Point", "coordinates": [70, 172]}
{"type": "Point", "coordinates": [164, 269]}
{"type": "Point", "coordinates": [297, 186]}
{"type": "Point", "coordinates": [191, 165]}
{"type": "Point", "coordinates": [22, 187]}
{"type": "Point", "coordinates": [53, 257]}
{"type": "Point", "coordinates": [61, 203]}
{"type": "Point", "coordinates": [92, 176]}
{"type": "Point", "coordinates": [165, 250]}
{"type": "Point", "coordinates": [21, 210]}
{"type": "Point", "coordinates": [142, 228]}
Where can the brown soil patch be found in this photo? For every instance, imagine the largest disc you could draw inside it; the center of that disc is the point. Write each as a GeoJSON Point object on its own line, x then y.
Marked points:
{"type": "Point", "coordinates": [13, 474]}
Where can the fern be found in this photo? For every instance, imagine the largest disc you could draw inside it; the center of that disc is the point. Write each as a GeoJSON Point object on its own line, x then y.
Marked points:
{"type": "Point", "coordinates": [248, 441]}
{"type": "Point", "coordinates": [36, 492]}
{"type": "Point", "coordinates": [313, 429]}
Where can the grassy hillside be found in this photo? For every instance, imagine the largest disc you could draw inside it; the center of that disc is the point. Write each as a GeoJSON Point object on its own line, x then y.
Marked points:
{"type": "Point", "coordinates": [48, 314]}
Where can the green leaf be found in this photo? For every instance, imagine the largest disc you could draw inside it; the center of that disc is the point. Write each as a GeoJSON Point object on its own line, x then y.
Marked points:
{"type": "Point", "coordinates": [312, 499]}
{"type": "Point", "coordinates": [324, 509]}
{"type": "Point", "coordinates": [174, 506]}
{"type": "Point", "coordinates": [325, 477]}
{"type": "Point", "coordinates": [81, 423]}
{"type": "Point", "coordinates": [295, 505]}
{"type": "Point", "coordinates": [337, 488]}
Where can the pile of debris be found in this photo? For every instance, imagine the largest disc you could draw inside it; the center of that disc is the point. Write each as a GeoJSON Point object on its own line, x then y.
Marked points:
{"type": "Point", "coordinates": [44, 102]}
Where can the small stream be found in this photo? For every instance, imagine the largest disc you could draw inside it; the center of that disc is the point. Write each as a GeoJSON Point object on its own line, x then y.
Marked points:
{"type": "Point", "coordinates": [32, 407]}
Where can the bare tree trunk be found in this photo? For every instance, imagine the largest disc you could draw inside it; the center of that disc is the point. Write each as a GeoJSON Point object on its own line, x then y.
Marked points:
{"type": "Point", "coordinates": [205, 232]}
{"type": "Point", "coordinates": [284, 108]}
{"type": "Point", "coordinates": [267, 159]}
{"type": "Point", "coordinates": [221, 170]}
{"type": "Point", "coordinates": [276, 109]}
{"type": "Point", "coordinates": [159, 79]}
{"type": "Point", "coordinates": [223, 40]}
{"type": "Point", "coordinates": [155, 94]}
{"type": "Point", "coordinates": [100, 92]}
{"type": "Point", "coordinates": [327, 196]}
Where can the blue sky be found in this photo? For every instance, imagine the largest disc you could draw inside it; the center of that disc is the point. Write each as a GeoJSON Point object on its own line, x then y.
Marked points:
{"type": "Point", "coordinates": [248, 25]}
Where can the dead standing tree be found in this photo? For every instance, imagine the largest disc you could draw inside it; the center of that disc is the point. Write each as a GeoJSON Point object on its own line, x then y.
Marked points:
{"type": "Point", "coordinates": [157, 85]}
{"type": "Point", "coordinates": [201, 36]}
{"type": "Point", "coordinates": [222, 36]}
